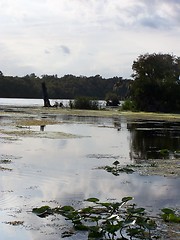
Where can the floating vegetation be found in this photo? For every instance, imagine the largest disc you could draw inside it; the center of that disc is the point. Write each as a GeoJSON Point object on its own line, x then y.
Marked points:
{"type": "Point", "coordinates": [40, 134]}
{"type": "Point", "coordinates": [106, 220]}
{"type": "Point", "coordinates": [161, 167]}
{"type": "Point", "coordinates": [5, 158]}
{"type": "Point", "coordinates": [15, 223]}
{"type": "Point", "coordinates": [5, 169]}
{"type": "Point", "coordinates": [5, 161]}
{"type": "Point", "coordinates": [169, 215]}
{"type": "Point", "coordinates": [26, 123]}
{"type": "Point", "coordinates": [116, 169]}
{"type": "Point", "coordinates": [101, 156]}
{"type": "Point", "coordinates": [43, 211]}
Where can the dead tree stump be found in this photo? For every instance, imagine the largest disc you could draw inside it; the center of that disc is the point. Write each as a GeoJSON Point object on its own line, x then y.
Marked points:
{"type": "Point", "coordinates": [45, 95]}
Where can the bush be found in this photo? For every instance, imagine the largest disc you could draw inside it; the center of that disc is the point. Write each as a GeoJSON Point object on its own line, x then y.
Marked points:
{"type": "Point", "coordinates": [112, 99]}
{"type": "Point", "coordinates": [85, 103]}
{"type": "Point", "coordinates": [128, 105]}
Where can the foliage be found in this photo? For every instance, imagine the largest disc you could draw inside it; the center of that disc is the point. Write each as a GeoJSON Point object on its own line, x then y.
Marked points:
{"type": "Point", "coordinates": [164, 153]}
{"type": "Point", "coordinates": [85, 103]}
{"type": "Point", "coordinates": [107, 220]}
{"type": "Point", "coordinates": [66, 87]}
{"type": "Point", "coordinates": [156, 85]}
{"type": "Point", "coordinates": [112, 99]}
{"type": "Point", "coordinates": [116, 169]}
{"type": "Point", "coordinates": [169, 215]}
{"type": "Point", "coordinates": [128, 105]}
{"type": "Point", "coordinates": [122, 88]}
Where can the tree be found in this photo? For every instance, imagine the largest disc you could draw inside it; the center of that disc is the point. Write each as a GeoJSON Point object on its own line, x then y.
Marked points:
{"type": "Point", "coordinates": [156, 85]}
{"type": "Point", "coordinates": [122, 88]}
{"type": "Point", "coordinates": [45, 95]}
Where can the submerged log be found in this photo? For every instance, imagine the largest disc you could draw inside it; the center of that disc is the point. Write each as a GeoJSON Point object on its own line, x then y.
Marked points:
{"type": "Point", "coordinates": [45, 95]}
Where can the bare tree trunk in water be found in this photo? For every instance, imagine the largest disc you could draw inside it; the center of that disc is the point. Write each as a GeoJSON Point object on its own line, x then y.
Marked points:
{"type": "Point", "coordinates": [45, 95]}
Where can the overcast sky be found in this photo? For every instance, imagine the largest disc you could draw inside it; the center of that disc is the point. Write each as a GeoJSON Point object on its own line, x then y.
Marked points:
{"type": "Point", "coordinates": [84, 37]}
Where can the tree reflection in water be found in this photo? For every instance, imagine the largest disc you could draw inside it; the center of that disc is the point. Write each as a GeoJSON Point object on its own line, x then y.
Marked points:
{"type": "Point", "coordinates": [148, 138]}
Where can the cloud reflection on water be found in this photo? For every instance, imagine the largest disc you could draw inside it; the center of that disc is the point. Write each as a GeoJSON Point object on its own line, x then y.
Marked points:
{"type": "Point", "coordinates": [60, 170]}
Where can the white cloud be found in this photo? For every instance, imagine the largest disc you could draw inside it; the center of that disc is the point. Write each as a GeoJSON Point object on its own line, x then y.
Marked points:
{"type": "Point", "coordinates": [84, 36]}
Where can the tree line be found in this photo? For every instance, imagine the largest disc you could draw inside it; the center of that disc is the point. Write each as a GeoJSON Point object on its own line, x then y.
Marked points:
{"type": "Point", "coordinates": [155, 86]}
{"type": "Point", "coordinates": [66, 87]}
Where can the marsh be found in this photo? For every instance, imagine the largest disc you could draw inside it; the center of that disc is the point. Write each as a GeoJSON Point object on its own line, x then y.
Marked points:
{"type": "Point", "coordinates": [61, 165]}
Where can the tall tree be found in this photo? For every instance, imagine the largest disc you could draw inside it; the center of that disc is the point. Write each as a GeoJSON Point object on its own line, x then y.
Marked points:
{"type": "Point", "coordinates": [156, 85]}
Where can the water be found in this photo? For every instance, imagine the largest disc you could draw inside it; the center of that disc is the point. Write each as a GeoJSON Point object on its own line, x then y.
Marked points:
{"type": "Point", "coordinates": [28, 102]}
{"type": "Point", "coordinates": [66, 171]}
{"type": "Point", "coordinates": [24, 102]}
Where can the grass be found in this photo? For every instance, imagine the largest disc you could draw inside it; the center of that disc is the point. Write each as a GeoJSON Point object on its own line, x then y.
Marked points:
{"type": "Point", "coordinates": [41, 111]}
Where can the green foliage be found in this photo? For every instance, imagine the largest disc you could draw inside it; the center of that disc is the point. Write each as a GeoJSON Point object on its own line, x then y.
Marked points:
{"type": "Point", "coordinates": [42, 211]}
{"type": "Point", "coordinates": [170, 216]}
{"type": "Point", "coordinates": [116, 169]}
{"type": "Point", "coordinates": [122, 88]}
{"type": "Point", "coordinates": [112, 99]}
{"type": "Point", "coordinates": [66, 87]}
{"type": "Point", "coordinates": [164, 153]}
{"type": "Point", "coordinates": [85, 103]}
{"type": "Point", "coordinates": [156, 85]}
{"type": "Point", "coordinates": [128, 105]}
{"type": "Point", "coordinates": [92, 200]}
{"type": "Point", "coordinates": [108, 220]}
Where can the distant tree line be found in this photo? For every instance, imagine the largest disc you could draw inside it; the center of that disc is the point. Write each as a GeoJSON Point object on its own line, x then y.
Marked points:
{"type": "Point", "coordinates": [66, 87]}
{"type": "Point", "coordinates": [155, 86]}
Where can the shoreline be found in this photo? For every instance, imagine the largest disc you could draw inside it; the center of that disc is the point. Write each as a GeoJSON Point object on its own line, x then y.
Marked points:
{"type": "Point", "coordinates": [92, 113]}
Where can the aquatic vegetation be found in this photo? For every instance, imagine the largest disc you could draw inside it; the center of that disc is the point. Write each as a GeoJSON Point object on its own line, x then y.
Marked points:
{"type": "Point", "coordinates": [116, 169]}
{"type": "Point", "coordinates": [106, 220]}
{"type": "Point", "coordinates": [40, 134]}
{"type": "Point", "coordinates": [5, 161]}
{"type": "Point", "coordinates": [169, 215]}
{"type": "Point", "coordinates": [5, 169]}
{"type": "Point", "coordinates": [101, 156]}
{"type": "Point", "coordinates": [15, 223]}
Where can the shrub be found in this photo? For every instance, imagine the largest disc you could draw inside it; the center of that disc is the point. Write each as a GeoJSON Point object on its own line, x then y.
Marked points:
{"type": "Point", "coordinates": [128, 105]}
{"type": "Point", "coordinates": [85, 103]}
{"type": "Point", "coordinates": [112, 99]}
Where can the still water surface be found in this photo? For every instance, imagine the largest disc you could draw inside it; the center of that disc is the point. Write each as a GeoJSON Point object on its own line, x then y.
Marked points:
{"type": "Point", "coordinates": [65, 171]}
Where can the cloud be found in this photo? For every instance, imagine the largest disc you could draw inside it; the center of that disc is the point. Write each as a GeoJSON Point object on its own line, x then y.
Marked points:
{"type": "Point", "coordinates": [65, 49]}
{"type": "Point", "coordinates": [85, 36]}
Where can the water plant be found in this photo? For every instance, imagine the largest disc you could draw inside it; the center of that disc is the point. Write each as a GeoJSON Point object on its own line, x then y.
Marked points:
{"type": "Point", "coordinates": [106, 220]}
{"type": "Point", "coordinates": [169, 215]}
{"type": "Point", "coordinates": [5, 161]}
{"type": "Point", "coordinates": [116, 169]}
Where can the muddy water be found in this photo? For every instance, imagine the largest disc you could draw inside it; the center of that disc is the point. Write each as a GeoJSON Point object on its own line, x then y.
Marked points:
{"type": "Point", "coordinates": [51, 171]}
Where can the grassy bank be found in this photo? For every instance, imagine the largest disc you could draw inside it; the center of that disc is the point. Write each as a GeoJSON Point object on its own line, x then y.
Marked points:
{"type": "Point", "coordinates": [98, 113]}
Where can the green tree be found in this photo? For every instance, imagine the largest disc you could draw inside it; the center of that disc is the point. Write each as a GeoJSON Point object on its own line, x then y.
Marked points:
{"type": "Point", "coordinates": [156, 85]}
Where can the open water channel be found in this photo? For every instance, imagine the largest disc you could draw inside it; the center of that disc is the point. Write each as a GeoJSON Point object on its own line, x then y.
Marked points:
{"type": "Point", "coordinates": [65, 171]}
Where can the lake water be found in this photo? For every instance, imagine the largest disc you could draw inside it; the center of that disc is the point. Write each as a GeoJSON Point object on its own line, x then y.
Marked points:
{"type": "Point", "coordinates": [28, 102]}
{"type": "Point", "coordinates": [53, 172]}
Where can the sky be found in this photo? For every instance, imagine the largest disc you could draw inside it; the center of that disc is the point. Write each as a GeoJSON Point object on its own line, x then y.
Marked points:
{"type": "Point", "coordinates": [84, 37]}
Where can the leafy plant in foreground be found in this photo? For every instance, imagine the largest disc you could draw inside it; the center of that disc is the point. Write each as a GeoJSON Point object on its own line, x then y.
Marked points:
{"type": "Point", "coordinates": [106, 220]}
